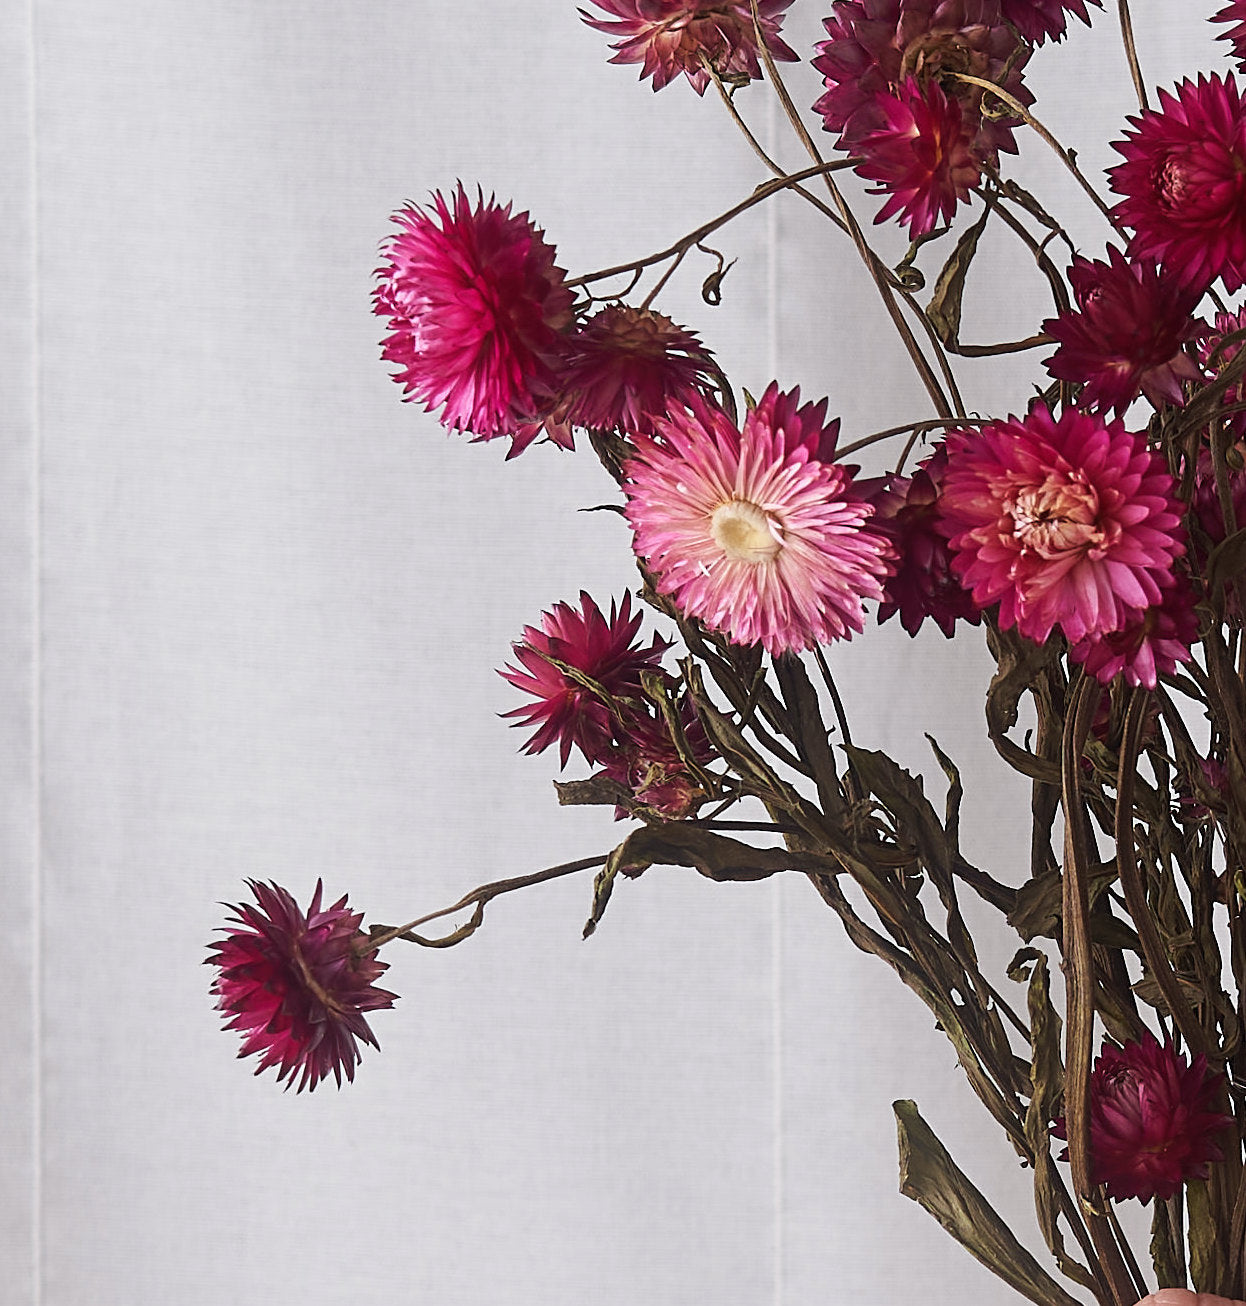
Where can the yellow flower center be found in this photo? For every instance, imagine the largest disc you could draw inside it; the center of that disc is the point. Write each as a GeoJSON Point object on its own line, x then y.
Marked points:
{"type": "Point", "coordinates": [745, 532]}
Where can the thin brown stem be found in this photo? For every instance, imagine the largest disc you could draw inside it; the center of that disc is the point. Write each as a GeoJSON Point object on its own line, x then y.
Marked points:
{"type": "Point", "coordinates": [1131, 52]}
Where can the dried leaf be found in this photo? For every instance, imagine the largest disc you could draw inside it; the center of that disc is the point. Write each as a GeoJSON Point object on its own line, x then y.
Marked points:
{"type": "Point", "coordinates": [944, 309]}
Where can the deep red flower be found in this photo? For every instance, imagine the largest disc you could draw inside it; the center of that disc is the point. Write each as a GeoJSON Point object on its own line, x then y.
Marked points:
{"type": "Point", "coordinates": [1071, 522]}
{"type": "Point", "coordinates": [1216, 350]}
{"type": "Point", "coordinates": [1152, 642]}
{"type": "Point", "coordinates": [569, 709]}
{"type": "Point", "coordinates": [874, 46]}
{"type": "Point", "coordinates": [1184, 183]}
{"type": "Point", "coordinates": [1037, 20]}
{"type": "Point", "coordinates": [628, 366]}
{"type": "Point", "coordinates": [669, 37]}
{"type": "Point", "coordinates": [647, 762]}
{"type": "Point", "coordinates": [1234, 12]}
{"type": "Point", "coordinates": [1152, 1120]}
{"type": "Point", "coordinates": [297, 985]}
{"type": "Point", "coordinates": [476, 309]}
{"type": "Point", "coordinates": [920, 154]}
{"type": "Point", "coordinates": [1126, 335]}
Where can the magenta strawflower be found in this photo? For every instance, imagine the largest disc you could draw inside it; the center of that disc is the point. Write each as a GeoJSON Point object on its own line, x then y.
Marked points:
{"type": "Point", "coordinates": [1235, 13]}
{"type": "Point", "coordinates": [647, 762]}
{"type": "Point", "coordinates": [297, 985]}
{"type": "Point", "coordinates": [669, 37]}
{"type": "Point", "coordinates": [1151, 644]}
{"type": "Point", "coordinates": [476, 310]}
{"type": "Point", "coordinates": [755, 532]}
{"type": "Point", "coordinates": [594, 649]}
{"type": "Point", "coordinates": [1126, 335]}
{"type": "Point", "coordinates": [1037, 20]}
{"type": "Point", "coordinates": [1184, 183]}
{"type": "Point", "coordinates": [627, 366]}
{"type": "Point", "coordinates": [1153, 1123]}
{"type": "Point", "coordinates": [920, 154]}
{"type": "Point", "coordinates": [1217, 347]}
{"type": "Point", "coordinates": [1069, 522]}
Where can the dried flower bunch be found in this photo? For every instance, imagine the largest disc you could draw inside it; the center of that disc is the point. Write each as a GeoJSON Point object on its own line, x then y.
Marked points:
{"type": "Point", "coordinates": [1096, 536]}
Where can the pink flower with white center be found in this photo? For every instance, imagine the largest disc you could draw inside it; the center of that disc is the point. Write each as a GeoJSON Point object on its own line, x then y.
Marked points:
{"type": "Point", "coordinates": [477, 309]}
{"type": "Point", "coordinates": [1037, 20]}
{"type": "Point", "coordinates": [1065, 522]}
{"type": "Point", "coordinates": [590, 648]}
{"type": "Point", "coordinates": [1184, 183]}
{"type": "Point", "coordinates": [1152, 642]}
{"type": "Point", "coordinates": [669, 37]}
{"type": "Point", "coordinates": [627, 366]}
{"type": "Point", "coordinates": [1126, 335]}
{"type": "Point", "coordinates": [1234, 12]}
{"type": "Point", "coordinates": [755, 532]}
{"type": "Point", "coordinates": [920, 154]}
{"type": "Point", "coordinates": [297, 985]}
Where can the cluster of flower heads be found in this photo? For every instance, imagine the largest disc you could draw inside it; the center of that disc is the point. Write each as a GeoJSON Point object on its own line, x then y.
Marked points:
{"type": "Point", "coordinates": [584, 672]}
{"type": "Point", "coordinates": [482, 326]}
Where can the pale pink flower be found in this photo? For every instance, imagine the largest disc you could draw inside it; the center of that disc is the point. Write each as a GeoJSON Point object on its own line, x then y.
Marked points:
{"type": "Point", "coordinates": [755, 532]}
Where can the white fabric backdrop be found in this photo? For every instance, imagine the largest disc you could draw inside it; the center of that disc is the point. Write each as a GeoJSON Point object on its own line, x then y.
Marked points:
{"type": "Point", "coordinates": [253, 606]}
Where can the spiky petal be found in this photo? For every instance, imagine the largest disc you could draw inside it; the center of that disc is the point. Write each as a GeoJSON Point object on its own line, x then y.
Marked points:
{"type": "Point", "coordinates": [1037, 20]}
{"type": "Point", "coordinates": [601, 665]}
{"type": "Point", "coordinates": [1235, 13]}
{"type": "Point", "coordinates": [669, 37]}
{"type": "Point", "coordinates": [297, 984]}
{"type": "Point", "coordinates": [1153, 1123]}
{"type": "Point", "coordinates": [1065, 522]}
{"type": "Point", "coordinates": [1184, 183]}
{"type": "Point", "coordinates": [1126, 335]}
{"type": "Point", "coordinates": [476, 308]}
{"type": "Point", "coordinates": [752, 531]}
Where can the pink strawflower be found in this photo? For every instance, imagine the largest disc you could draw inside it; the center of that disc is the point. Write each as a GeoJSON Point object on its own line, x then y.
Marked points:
{"type": "Point", "coordinates": [1152, 1120]}
{"type": "Point", "coordinates": [627, 366]}
{"type": "Point", "coordinates": [647, 762]}
{"type": "Point", "coordinates": [1184, 183]}
{"type": "Point", "coordinates": [1126, 335]}
{"type": "Point", "coordinates": [595, 649]}
{"type": "Point", "coordinates": [875, 46]}
{"type": "Point", "coordinates": [297, 985]}
{"type": "Point", "coordinates": [920, 154]}
{"type": "Point", "coordinates": [1065, 522]}
{"type": "Point", "coordinates": [476, 308]}
{"type": "Point", "coordinates": [1234, 12]}
{"type": "Point", "coordinates": [924, 584]}
{"type": "Point", "coordinates": [754, 532]}
{"type": "Point", "coordinates": [669, 37]}
{"type": "Point", "coordinates": [1037, 20]}
{"type": "Point", "coordinates": [1152, 642]}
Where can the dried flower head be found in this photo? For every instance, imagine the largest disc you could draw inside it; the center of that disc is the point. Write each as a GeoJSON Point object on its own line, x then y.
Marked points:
{"type": "Point", "coordinates": [1184, 183]}
{"type": "Point", "coordinates": [669, 37]}
{"type": "Point", "coordinates": [1151, 643]}
{"type": "Point", "coordinates": [755, 532]}
{"type": "Point", "coordinates": [476, 309]}
{"type": "Point", "coordinates": [1065, 522]}
{"type": "Point", "coordinates": [577, 667]}
{"type": "Point", "coordinates": [297, 985]}
{"type": "Point", "coordinates": [1037, 20]}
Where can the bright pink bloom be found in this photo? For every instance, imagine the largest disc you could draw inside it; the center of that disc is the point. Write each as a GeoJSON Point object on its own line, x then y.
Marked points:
{"type": "Point", "coordinates": [1152, 1120]}
{"type": "Point", "coordinates": [1234, 12]}
{"type": "Point", "coordinates": [594, 649]}
{"type": "Point", "coordinates": [755, 532]}
{"type": "Point", "coordinates": [297, 985]}
{"type": "Point", "coordinates": [669, 37]}
{"type": "Point", "coordinates": [1184, 183]}
{"type": "Point", "coordinates": [1037, 20]}
{"type": "Point", "coordinates": [1126, 335]}
{"type": "Point", "coordinates": [920, 154]}
{"type": "Point", "coordinates": [476, 308]}
{"type": "Point", "coordinates": [1069, 522]}
{"type": "Point", "coordinates": [875, 46]}
{"type": "Point", "coordinates": [1152, 642]}
{"type": "Point", "coordinates": [627, 366]}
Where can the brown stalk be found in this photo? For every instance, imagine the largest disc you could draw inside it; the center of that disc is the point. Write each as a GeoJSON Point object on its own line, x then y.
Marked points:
{"type": "Point", "coordinates": [1131, 52]}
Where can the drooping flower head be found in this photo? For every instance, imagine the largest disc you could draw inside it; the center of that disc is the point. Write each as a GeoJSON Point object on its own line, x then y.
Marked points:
{"type": "Point", "coordinates": [669, 37]}
{"type": "Point", "coordinates": [1152, 642]}
{"type": "Point", "coordinates": [1216, 350]}
{"type": "Point", "coordinates": [628, 366]}
{"type": "Point", "coordinates": [1153, 1125]}
{"type": "Point", "coordinates": [920, 154]}
{"type": "Point", "coordinates": [297, 984]}
{"type": "Point", "coordinates": [1234, 12]}
{"type": "Point", "coordinates": [1069, 522]}
{"type": "Point", "coordinates": [1037, 20]}
{"type": "Point", "coordinates": [600, 663]}
{"type": "Point", "coordinates": [646, 762]}
{"type": "Point", "coordinates": [1126, 335]}
{"type": "Point", "coordinates": [476, 308]}
{"type": "Point", "coordinates": [875, 46]}
{"type": "Point", "coordinates": [755, 532]}
{"type": "Point", "coordinates": [1184, 183]}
